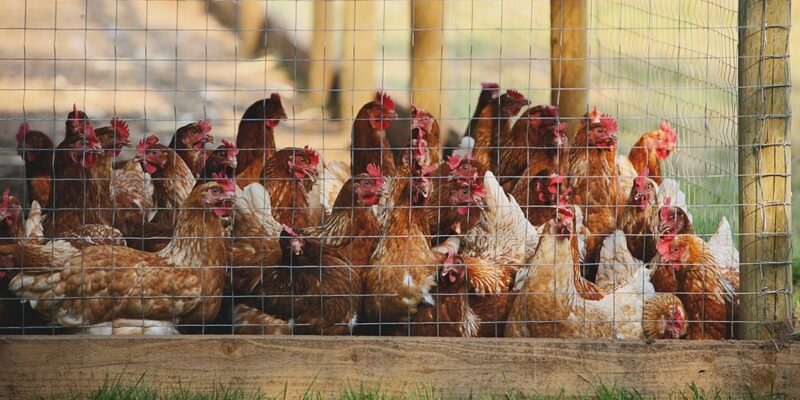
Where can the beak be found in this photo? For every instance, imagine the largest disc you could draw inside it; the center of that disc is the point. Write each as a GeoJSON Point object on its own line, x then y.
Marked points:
{"type": "Point", "coordinates": [311, 175]}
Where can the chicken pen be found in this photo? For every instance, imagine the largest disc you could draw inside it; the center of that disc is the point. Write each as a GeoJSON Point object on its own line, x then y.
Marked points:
{"type": "Point", "coordinates": [477, 195]}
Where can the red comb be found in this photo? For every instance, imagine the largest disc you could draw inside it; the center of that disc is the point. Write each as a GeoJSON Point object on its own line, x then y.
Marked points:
{"type": "Point", "coordinates": [145, 143]}
{"type": "Point", "coordinates": [75, 119]}
{"type": "Point", "coordinates": [6, 196]}
{"type": "Point", "coordinates": [384, 99]}
{"type": "Point", "coordinates": [551, 110]}
{"type": "Point", "coordinates": [453, 162]}
{"type": "Point", "coordinates": [664, 212]}
{"type": "Point", "coordinates": [120, 126]}
{"type": "Point", "coordinates": [672, 136]}
{"type": "Point", "coordinates": [289, 230]}
{"type": "Point", "coordinates": [275, 97]}
{"type": "Point", "coordinates": [428, 170]}
{"type": "Point", "coordinates": [492, 87]}
{"type": "Point", "coordinates": [558, 179]}
{"type": "Point", "coordinates": [608, 122]}
{"type": "Point", "coordinates": [23, 130]}
{"type": "Point", "coordinates": [516, 95]}
{"type": "Point", "coordinates": [227, 184]}
{"type": "Point", "coordinates": [232, 149]}
{"type": "Point", "coordinates": [204, 125]}
{"type": "Point", "coordinates": [91, 138]}
{"type": "Point", "coordinates": [313, 154]}
{"type": "Point", "coordinates": [374, 171]}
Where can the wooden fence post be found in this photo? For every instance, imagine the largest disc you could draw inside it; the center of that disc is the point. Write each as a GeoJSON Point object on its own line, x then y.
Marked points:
{"type": "Point", "coordinates": [323, 50]}
{"type": "Point", "coordinates": [359, 45]}
{"type": "Point", "coordinates": [426, 56]}
{"type": "Point", "coordinates": [251, 24]}
{"type": "Point", "coordinates": [569, 49]}
{"type": "Point", "coordinates": [764, 170]}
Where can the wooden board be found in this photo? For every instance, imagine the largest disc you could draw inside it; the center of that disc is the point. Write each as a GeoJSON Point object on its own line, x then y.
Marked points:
{"type": "Point", "coordinates": [51, 364]}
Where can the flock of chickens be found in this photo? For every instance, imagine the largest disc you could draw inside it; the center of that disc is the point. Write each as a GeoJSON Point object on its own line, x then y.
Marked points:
{"type": "Point", "coordinates": [520, 232]}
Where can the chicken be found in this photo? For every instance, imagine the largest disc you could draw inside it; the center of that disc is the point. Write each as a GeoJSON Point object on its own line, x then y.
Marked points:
{"type": "Point", "coordinates": [252, 321]}
{"type": "Point", "coordinates": [256, 138]}
{"type": "Point", "coordinates": [648, 152]}
{"type": "Point", "coordinates": [369, 142]}
{"type": "Point", "coordinates": [492, 122]}
{"type": "Point", "coordinates": [284, 177]}
{"type": "Point", "coordinates": [546, 303]}
{"type": "Point", "coordinates": [664, 317]}
{"type": "Point", "coordinates": [454, 205]}
{"type": "Point", "coordinates": [534, 143]}
{"type": "Point", "coordinates": [222, 162]}
{"type": "Point", "coordinates": [76, 124]}
{"type": "Point", "coordinates": [132, 187]}
{"type": "Point", "coordinates": [182, 283]}
{"type": "Point", "coordinates": [189, 142]}
{"type": "Point", "coordinates": [617, 266]}
{"type": "Point", "coordinates": [172, 183]}
{"type": "Point", "coordinates": [639, 219]}
{"type": "Point", "coordinates": [113, 139]}
{"type": "Point", "coordinates": [353, 226]}
{"type": "Point", "coordinates": [470, 300]}
{"type": "Point", "coordinates": [705, 294]}
{"type": "Point", "coordinates": [538, 195]}
{"type": "Point", "coordinates": [592, 175]}
{"type": "Point", "coordinates": [333, 176]}
{"type": "Point", "coordinates": [255, 240]}
{"type": "Point", "coordinates": [403, 267]}
{"type": "Point", "coordinates": [73, 191]}
{"type": "Point", "coordinates": [424, 125]}
{"type": "Point", "coordinates": [36, 150]}
{"type": "Point", "coordinates": [313, 287]}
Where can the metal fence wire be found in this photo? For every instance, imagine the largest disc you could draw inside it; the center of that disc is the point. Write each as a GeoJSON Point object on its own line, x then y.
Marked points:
{"type": "Point", "coordinates": [386, 167]}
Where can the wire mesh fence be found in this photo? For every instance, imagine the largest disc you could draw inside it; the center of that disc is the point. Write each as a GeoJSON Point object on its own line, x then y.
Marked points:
{"type": "Point", "coordinates": [371, 168]}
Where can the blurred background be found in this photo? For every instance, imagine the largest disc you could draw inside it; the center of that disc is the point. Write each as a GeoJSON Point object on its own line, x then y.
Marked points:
{"type": "Point", "coordinates": [163, 63]}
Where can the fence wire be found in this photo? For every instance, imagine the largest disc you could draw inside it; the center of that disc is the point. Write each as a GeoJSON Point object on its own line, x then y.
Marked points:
{"type": "Point", "coordinates": [271, 175]}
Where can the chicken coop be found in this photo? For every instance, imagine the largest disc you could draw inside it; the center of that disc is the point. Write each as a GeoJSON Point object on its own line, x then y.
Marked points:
{"type": "Point", "coordinates": [482, 197]}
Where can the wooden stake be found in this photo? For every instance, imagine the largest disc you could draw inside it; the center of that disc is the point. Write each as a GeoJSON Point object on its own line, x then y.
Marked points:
{"type": "Point", "coordinates": [252, 21]}
{"type": "Point", "coordinates": [764, 170]}
{"type": "Point", "coordinates": [426, 55]}
{"type": "Point", "coordinates": [569, 49]}
{"type": "Point", "coordinates": [323, 50]}
{"type": "Point", "coordinates": [359, 43]}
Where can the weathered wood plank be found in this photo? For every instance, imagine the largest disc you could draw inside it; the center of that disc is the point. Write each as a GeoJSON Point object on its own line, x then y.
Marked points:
{"type": "Point", "coordinates": [764, 175]}
{"type": "Point", "coordinates": [52, 364]}
{"type": "Point", "coordinates": [569, 52]}
{"type": "Point", "coordinates": [426, 56]}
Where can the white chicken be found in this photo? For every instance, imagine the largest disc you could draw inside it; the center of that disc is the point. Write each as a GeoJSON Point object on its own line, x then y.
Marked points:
{"type": "Point", "coordinates": [332, 177]}
{"type": "Point", "coordinates": [617, 265]}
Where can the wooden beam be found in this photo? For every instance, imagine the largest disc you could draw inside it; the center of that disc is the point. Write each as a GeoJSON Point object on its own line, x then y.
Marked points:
{"type": "Point", "coordinates": [359, 49]}
{"type": "Point", "coordinates": [57, 364]}
{"type": "Point", "coordinates": [323, 52]}
{"type": "Point", "coordinates": [764, 170]}
{"type": "Point", "coordinates": [426, 56]}
{"type": "Point", "coordinates": [251, 24]}
{"type": "Point", "coordinates": [569, 52]}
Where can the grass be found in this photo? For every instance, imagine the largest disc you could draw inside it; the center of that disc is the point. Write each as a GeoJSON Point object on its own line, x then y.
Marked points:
{"type": "Point", "coordinates": [140, 390]}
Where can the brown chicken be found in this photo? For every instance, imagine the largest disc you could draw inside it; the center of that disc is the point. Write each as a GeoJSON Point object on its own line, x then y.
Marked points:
{"type": "Point", "coordinates": [36, 150]}
{"type": "Point", "coordinates": [172, 183]}
{"type": "Point", "coordinates": [470, 301]}
{"type": "Point", "coordinates": [353, 227]}
{"type": "Point", "coordinates": [76, 124]}
{"type": "Point", "coordinates": [222, 162]}
{"type": "Point", "coordinates": [652, 148]}
{"type": "Point", "coordinates": [189, 142]}
{"type": "Point", "coordinates": [403, 266]}
{"type": "Point", "coordinates": [425, 126]}
{"type": "Point", "coordinates": [113, 139]}
{"type": "Point", "coordinates": [664, 317]}
{"type": "Point", "coordinates": [534, 143]}
{"type": "Point", "coordinates": [284, 176]}
{"type": "Point", "coordinates": [182, 283]}
{"type": "Point", "coordinates": [369, 142]}
{"type": "Point", "coordinates": [256, 138]}
{"type": "Point", "coordinates": [592, 176]}
{"type": "Point", "coordinates": [73, 191]}
{"type": "Point", "coordinates": [492, 122]}
{"type": "Point", "coordinates": [705, 294]}
{"type": "Point", "coordinates": [640, 218]}
{"type": "Point", "coordinates": [454, 205]}
{"type": "Point", "coordinates": [538, 195]}
{"type": "Point", "coordinates": [313, 286]}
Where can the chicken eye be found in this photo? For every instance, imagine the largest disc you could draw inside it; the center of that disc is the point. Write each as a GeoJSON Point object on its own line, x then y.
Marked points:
{"type": "Point", "coordinates": [214, 191]}
{"type": "Point", "coordinates": [367, 183]}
